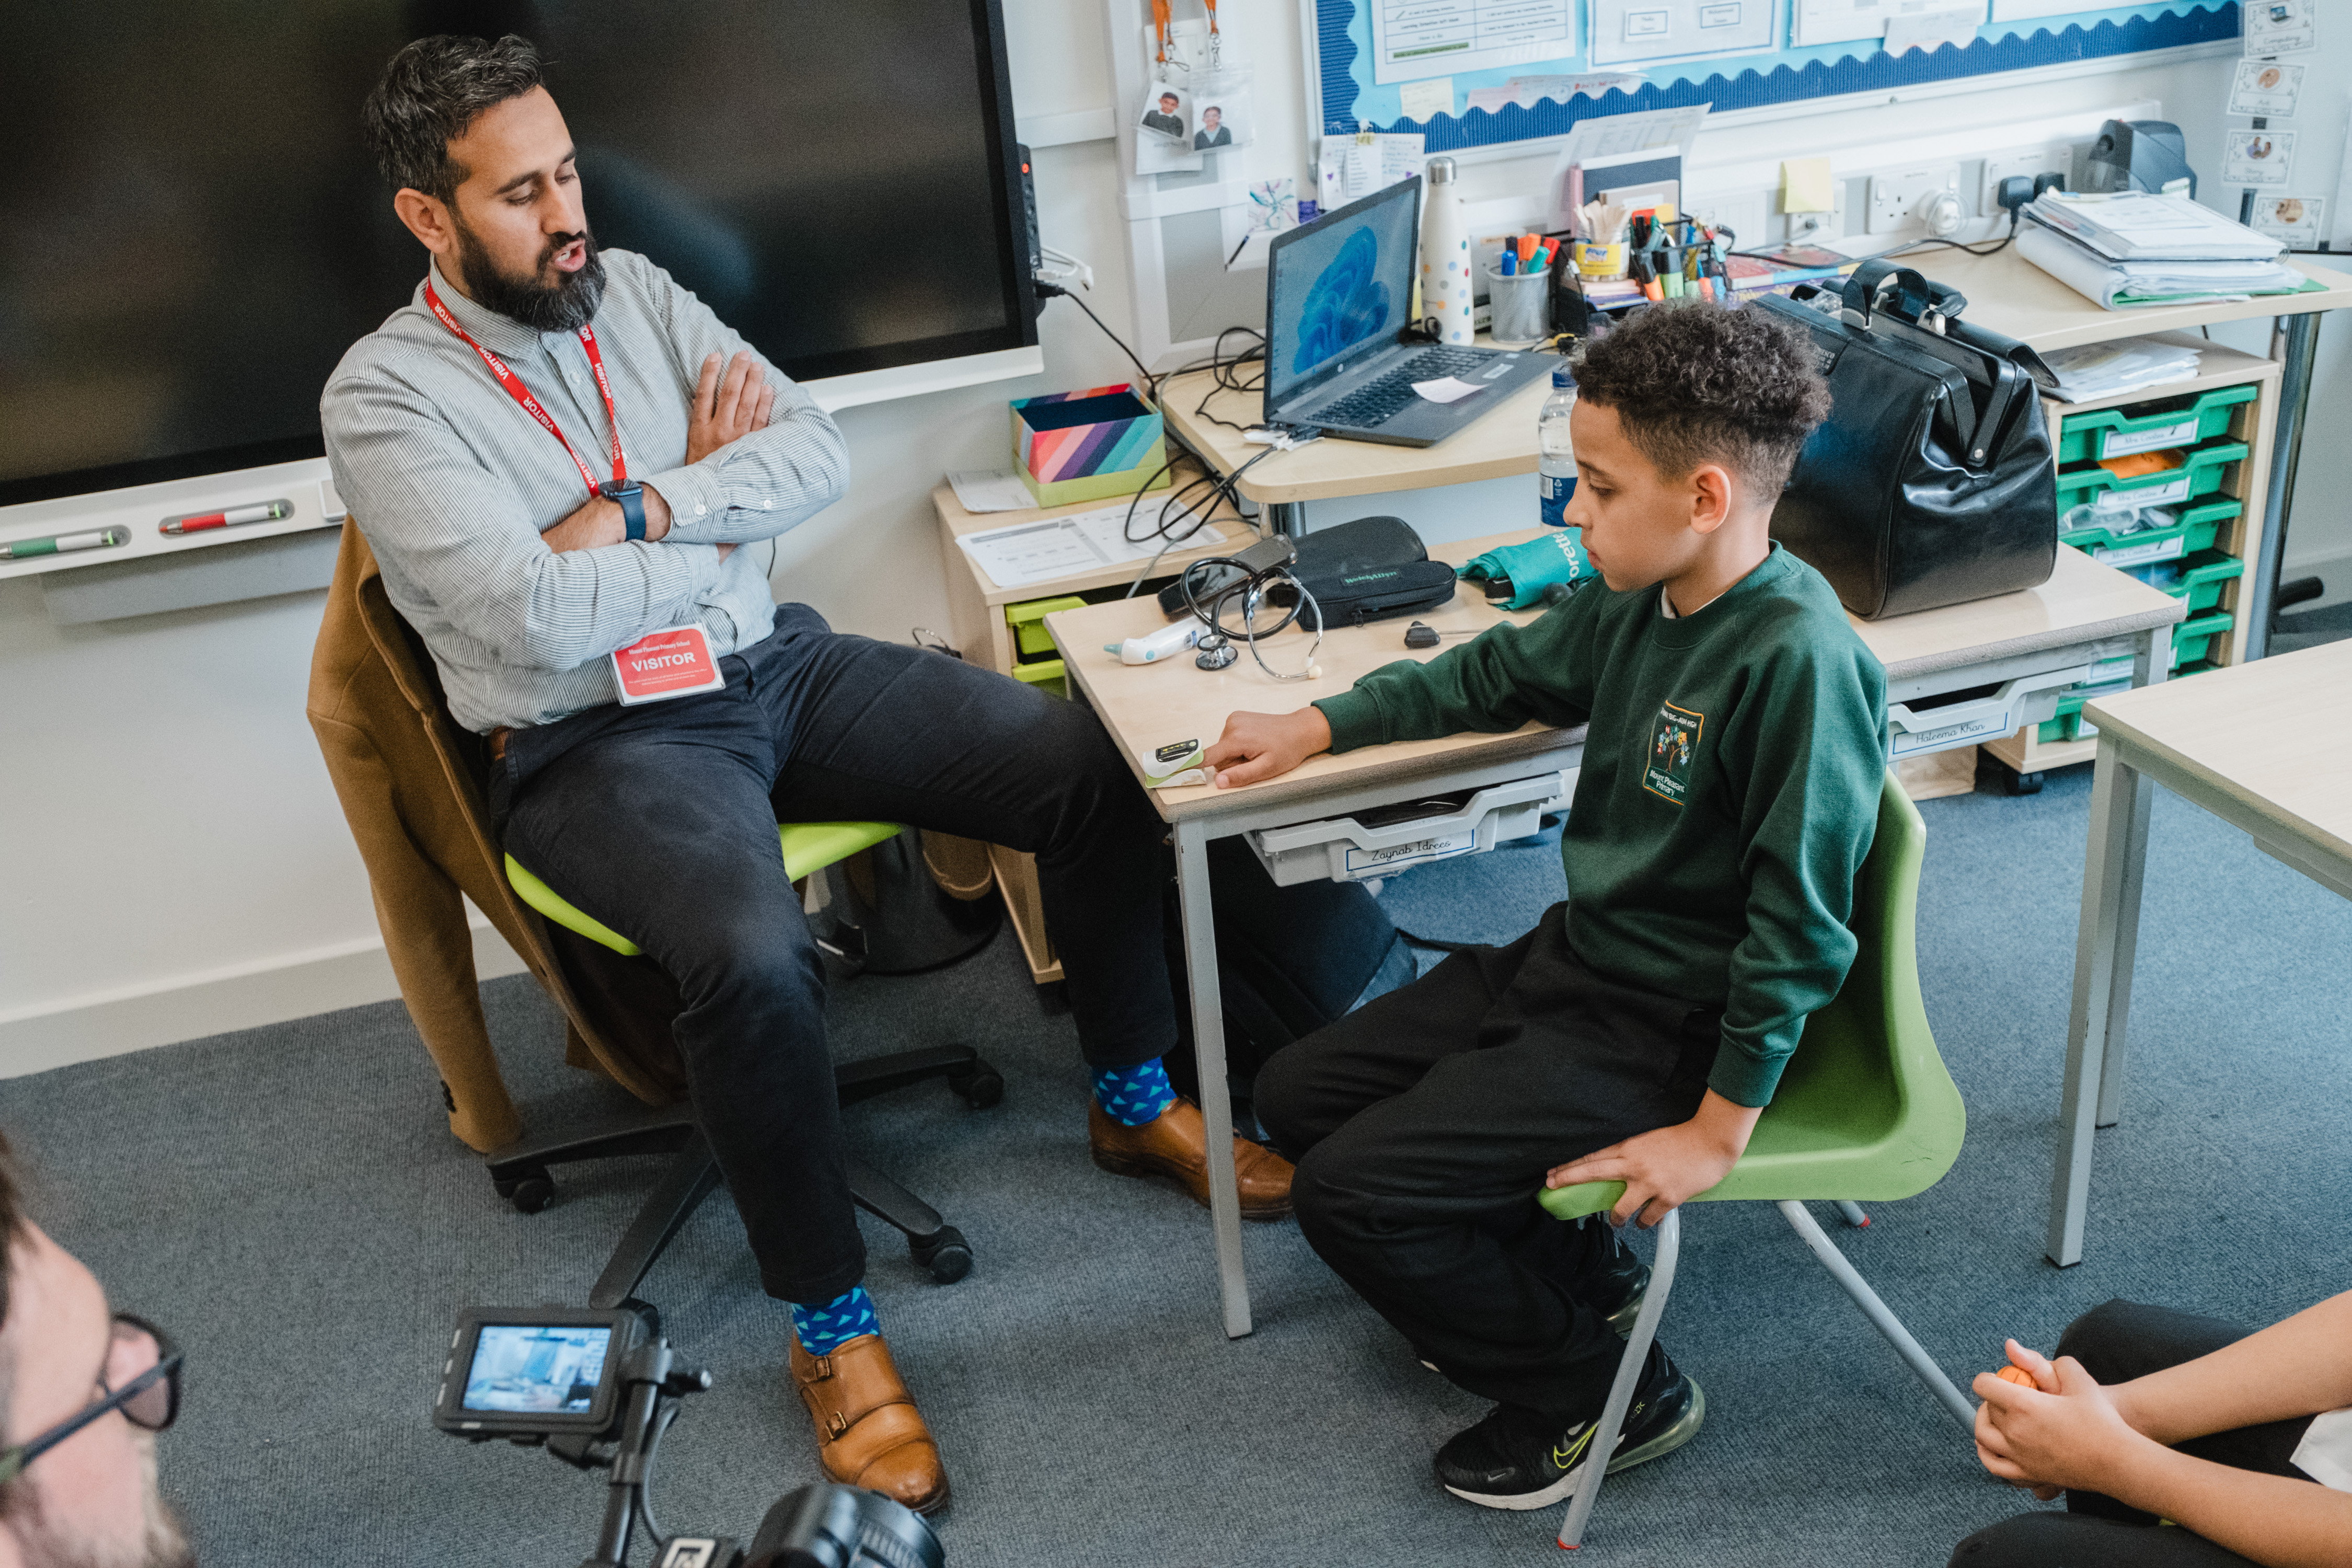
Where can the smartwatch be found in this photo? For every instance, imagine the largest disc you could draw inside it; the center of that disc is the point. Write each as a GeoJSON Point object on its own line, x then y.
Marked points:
{"type": "Point", "coordinates": [632, 497]}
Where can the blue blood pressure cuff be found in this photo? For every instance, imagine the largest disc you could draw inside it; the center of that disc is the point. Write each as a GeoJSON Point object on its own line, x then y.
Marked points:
{"type": "Point", "coordinates": [1531, 567]}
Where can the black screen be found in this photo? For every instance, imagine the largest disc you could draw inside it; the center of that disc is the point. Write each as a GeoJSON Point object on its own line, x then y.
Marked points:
{"type": "Point", "coordinates": [192, 233]}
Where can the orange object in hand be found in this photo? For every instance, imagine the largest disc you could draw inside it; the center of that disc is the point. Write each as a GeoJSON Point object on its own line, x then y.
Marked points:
{"type": "Point", "coordinates": [2017, 1376]}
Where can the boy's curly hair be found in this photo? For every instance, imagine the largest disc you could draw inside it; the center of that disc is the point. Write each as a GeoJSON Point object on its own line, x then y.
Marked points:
{"type": "Point", "coordinates": [1693, 382]}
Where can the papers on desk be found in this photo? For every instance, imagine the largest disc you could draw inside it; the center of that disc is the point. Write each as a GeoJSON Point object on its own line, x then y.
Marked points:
{"type": "Point", "coordinates": [2127, 285]}
{"type": "Point", "coordinates": [1044, 548]}
{"type": "Point", "coordinates": [1446, 389]}
{"type": "Point", "coordinates": [2141, 225]}
{"type": "Point", "coordinates": [2125, 364]}
{"type": "Point", "coordinates": [984, 489]}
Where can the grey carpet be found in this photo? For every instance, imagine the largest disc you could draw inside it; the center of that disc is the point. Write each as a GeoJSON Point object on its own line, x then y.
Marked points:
{"type": "Point", "coordinates": [288, 1201]}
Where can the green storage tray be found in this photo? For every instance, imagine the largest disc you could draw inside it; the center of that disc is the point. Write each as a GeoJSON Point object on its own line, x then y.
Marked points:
{"type": "Point", "coordinates": [2192, 639]}
{"type": "Point", "coordinates": [2067, 724]}
{"type": "Point", "coordinates": [2195, 529]}
{"type": "Point", "coordinates": [2196, 580]}
{"type": "Point", "coordinates": [1028, 623]}
{"type": "Point", "coordinates": [2150, 427]}
{"type": "Point", "coordinates": [2200, 475]}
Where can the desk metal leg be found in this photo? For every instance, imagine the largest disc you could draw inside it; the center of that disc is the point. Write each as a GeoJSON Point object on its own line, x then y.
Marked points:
{"type": "Point", "coordinates": [2112, 871]}
{"type": "Point", "coordinates": [1287, 518]}
{"type": "Point", "coordinates": [2301, 333]}
{"type": "Point", "coordinates": [1209, 1051]}
{"type": "Point", "coordinates": [2150, 666]}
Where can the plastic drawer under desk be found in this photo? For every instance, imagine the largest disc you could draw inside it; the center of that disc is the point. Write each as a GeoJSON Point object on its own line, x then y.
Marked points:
{"type": "Point", "coordinates": [1342, 850]}
{"type": "Point", "coordinates": [1917, 728]}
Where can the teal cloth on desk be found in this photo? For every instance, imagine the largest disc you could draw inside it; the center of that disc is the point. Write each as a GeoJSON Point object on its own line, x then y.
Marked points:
{"type": "Point", "coordinates": [1557, 557]}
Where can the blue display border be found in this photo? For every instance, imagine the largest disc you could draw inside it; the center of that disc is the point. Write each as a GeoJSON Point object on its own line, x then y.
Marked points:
{"type": "Point", "coordinates": [1755, 90]}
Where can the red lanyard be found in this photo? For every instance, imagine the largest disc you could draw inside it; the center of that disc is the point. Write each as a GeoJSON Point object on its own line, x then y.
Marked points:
{"type": "Point", "coordinates": [521, 394]}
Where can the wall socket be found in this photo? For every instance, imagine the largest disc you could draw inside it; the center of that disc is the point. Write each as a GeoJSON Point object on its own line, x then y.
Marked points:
{"type": "Point", "coordinates": [1743, 215]}
{"type": "Point", "coordinates": [1897, 197]}
{"type": "Point", "coordinates": [2058, 158]}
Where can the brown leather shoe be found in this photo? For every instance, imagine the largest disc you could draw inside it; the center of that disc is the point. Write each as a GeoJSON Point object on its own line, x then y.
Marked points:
{"type": "Point", "coordinates": [868, 1432]}
{"type": "Point", "coordinates": [1177, 1145]}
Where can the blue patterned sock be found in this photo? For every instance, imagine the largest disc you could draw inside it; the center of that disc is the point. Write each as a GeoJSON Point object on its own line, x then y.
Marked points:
{"type": "Point", "coordinates": [1133, 1096]}
{"type": "Point", "coordinates": [823, 1329]}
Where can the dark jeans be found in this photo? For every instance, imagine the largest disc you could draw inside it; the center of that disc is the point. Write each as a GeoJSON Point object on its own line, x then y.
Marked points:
{"type": "Point", "coordinates": [2117, 1342]}
{"type": "Point", "coordinates": [1422, 1124]}
{"type": "Point", "coordinates": [660, 821]}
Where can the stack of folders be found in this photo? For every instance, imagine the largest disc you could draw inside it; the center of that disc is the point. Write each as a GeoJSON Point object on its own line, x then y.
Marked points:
{"type": "Point", "coordinates": [2134, 249]}
{"type": "Point", "coordinates": [2125, 364]}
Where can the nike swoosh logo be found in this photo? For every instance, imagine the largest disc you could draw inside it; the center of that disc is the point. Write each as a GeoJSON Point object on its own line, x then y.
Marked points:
{"type": "Point", "coordinates": [1584, 1436]}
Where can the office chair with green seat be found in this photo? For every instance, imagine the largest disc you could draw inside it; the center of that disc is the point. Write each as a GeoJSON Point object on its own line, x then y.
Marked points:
{"type": "Point", "coordinates": [1865, 1110]}
{"type": "Point", "coordinates": [520, 1170]}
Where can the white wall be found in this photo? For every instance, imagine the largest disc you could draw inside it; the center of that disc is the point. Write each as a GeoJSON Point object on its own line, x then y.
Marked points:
{"type": "Point", "coordinates": [172, 861]}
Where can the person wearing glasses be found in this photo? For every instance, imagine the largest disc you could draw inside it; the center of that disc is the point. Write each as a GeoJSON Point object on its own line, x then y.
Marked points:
{"type": "Point", "coordinates": [83, 1391]}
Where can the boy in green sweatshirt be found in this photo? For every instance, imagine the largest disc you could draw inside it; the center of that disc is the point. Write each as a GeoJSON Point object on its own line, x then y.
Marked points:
{"type": "Point", "coordinates": [1729, 793]}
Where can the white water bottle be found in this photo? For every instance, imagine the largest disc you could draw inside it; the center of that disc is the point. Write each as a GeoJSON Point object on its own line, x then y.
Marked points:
{"type": "Point", "coordinates": [1447, 283]}
{"type": "Point", "coordinates": [1555, 456]}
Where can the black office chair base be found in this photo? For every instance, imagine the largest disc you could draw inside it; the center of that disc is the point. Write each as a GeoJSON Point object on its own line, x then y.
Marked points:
{"type": "Point", "coordinates": [519, 1171]}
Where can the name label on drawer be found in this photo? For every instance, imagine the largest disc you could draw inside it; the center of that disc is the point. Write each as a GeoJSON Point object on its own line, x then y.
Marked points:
{"type": "Point", "coordinates": [2123, 443]}
{"type": "Point", "coordinates": [2125, 500]}
{"type": "Point", "coordinates": [2140, 555]}
{"type": "Point", "coordinates": [1369, 861]}
{"type": "Point", "coordinates": [1908, 743]}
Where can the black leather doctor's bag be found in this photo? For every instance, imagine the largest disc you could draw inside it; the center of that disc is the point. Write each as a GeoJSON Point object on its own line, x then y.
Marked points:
{"type": "Point", "coordinates": [1932, 483]}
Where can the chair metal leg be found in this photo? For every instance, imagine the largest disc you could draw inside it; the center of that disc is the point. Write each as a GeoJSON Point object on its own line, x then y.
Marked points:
{"type": "Point", "coordinates": [1853, 1214]}
{"type": "Point", "coordinates": [690, 1179]}
{"type": "Point", "coordinates": [891, 1203]}
{"type": "Point", "coordinates": [1629, 1376]}
{"type": "Point", "coordinates": [1802, 1220]}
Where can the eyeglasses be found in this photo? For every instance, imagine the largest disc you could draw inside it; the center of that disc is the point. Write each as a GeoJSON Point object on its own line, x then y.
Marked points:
{"type": "Point", "coordinates": [140, 1352]}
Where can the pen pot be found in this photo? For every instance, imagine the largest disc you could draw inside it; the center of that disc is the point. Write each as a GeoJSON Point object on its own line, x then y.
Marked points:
{"type": "Point", "coordinates": [1600, 260]}
{"type": "Point", "coordinates": [1519, 308]}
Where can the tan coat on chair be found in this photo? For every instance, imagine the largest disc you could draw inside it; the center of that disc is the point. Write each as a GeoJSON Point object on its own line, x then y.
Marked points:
{"type": "Point", "coordinates": [407, 777]}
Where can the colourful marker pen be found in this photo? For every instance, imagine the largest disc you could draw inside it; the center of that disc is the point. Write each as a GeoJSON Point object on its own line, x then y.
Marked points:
{"type": "Point", "coordinates": [1510, 268]}
{"type": "Point", "coordinates": [64, 543]}
{"type": "Point", "coordinates": [267, 511]}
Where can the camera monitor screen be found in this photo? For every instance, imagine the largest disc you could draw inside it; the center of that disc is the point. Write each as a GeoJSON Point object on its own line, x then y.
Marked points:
{"type": "Point", "coordinates": [537, 1368]}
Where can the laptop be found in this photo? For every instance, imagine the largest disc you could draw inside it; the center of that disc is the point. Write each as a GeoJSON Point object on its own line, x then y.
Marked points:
{"type": "Point", "coordinates": [1338, 291]}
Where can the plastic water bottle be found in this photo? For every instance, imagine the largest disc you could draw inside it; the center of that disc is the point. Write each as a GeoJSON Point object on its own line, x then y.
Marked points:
{"type": "Point", "coordinates": [1555, 458]}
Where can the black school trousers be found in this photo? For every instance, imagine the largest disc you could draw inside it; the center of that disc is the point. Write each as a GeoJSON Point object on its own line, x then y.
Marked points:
{"type": "Point", "coordinates": [660, 821]}
{"type": "Point", "coordinates": [1422, 1124]}
{"type": "Point", "coordinates": [2121, 1341]}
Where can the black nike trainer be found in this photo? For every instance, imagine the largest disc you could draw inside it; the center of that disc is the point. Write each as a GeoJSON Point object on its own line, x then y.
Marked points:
{"type": "Point", "coordinates": [1518, 1459]}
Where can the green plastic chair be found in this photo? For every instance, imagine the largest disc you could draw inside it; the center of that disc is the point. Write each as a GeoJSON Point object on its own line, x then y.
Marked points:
{"type": "Point", "coordinates": [520, 1170]}
{"type": "Point", "coordinates": [1865, 1110]}
{"type": "Point", "coordinates": [808, 846]}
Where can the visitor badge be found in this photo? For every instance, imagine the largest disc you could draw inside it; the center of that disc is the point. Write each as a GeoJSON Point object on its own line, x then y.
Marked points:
{"type": "Point", "coordinates": [673, 662]}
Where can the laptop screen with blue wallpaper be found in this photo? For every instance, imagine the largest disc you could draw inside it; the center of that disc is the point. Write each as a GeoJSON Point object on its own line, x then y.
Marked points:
{"type": "Point", "coordinates": [1342, 284]}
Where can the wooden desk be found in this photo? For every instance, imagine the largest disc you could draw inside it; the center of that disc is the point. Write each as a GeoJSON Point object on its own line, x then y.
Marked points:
{"type": "Point", "coordinates": [2010, 294]}
{"type": "Point", "coordinates": [1496, 445]}
{"type": "Point", "coordinates": [1148, 706]}
{"type": "Point", "coordinates": [2266, 747]}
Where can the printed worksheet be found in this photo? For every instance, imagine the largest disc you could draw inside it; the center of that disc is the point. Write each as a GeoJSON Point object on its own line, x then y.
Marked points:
{"type": "Point", "coordinates": [1412, 39]}
{"type": "Point", "coordinates": [1049, 547]}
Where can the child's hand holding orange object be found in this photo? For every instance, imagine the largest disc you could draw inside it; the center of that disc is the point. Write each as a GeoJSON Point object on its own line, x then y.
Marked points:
{"type": "Point", "coordinates": [2027, 1369]}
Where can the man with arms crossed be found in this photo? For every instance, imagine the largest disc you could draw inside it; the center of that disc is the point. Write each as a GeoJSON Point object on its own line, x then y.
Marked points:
{"type": "Point", "coordinates": [83, 1391]}
{"type": "Point", "coordinates": [474, 438]}
{"type": "Point", "coordinates": [1732, 770]}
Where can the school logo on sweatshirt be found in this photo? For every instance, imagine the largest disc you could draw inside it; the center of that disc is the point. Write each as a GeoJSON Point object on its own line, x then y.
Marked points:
{"type": "Point", "coordinates": [1674, 741]}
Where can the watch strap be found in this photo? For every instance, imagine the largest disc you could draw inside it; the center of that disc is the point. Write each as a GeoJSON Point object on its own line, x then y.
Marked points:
{"type": "Point", "coordinates": [633, 507]}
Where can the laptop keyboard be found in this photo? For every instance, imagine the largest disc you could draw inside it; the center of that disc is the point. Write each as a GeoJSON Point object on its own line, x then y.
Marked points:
{"type": "Point", "coordinates": [1376, 401]}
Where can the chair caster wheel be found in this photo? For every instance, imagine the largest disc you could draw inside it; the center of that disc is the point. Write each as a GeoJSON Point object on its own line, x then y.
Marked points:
{"type": "Point", "coordinates": [981, 1085]}
{"type": "Point", "coordinates": [946, 1254]}
{"type": "Point", "coordinates": [2023, 783]}
{"type": "Point", "coordinates": [530, 1192]}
